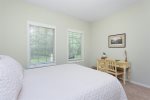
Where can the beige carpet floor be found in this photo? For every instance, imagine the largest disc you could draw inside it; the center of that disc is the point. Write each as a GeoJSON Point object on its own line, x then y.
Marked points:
{"type": "Point", "coordinates": [135, 92]}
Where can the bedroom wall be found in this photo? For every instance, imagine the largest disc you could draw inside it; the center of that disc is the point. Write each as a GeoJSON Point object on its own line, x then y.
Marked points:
{"type": "Point", "coordinates": [16, 13]}
{"type": "Point", "coordinates": [135, 22]}
{"type": "Point", "coordinates": [1, 25]}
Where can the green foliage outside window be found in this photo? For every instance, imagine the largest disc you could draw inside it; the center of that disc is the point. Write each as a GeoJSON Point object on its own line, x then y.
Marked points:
{"type": "Point", "coordinates": [41, 45]}
{"type": "Point", "coordinates": [75, 45]}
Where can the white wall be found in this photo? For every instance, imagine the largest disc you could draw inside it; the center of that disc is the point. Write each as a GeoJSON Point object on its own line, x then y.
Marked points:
{"type": "Point", "coordinates": [1, 25]}
{"type": "Point", "coordinates": [16, 13]}
{"type": "Point", "coordinates": [135, 22]}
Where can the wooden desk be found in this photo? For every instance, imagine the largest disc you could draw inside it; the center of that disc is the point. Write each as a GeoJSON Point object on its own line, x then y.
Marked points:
{"type": "Point", "coordinates": [126, 69]}
{"type": "Point", "coordinates": [125, 66]}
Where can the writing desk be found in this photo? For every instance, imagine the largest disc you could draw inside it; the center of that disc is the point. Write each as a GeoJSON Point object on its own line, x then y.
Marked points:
{"type": "Point", "coordinates": [120, 64]}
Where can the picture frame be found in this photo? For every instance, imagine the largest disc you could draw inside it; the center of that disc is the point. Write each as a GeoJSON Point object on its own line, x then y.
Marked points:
{"type": "Point", "coordinates": [117, 41]}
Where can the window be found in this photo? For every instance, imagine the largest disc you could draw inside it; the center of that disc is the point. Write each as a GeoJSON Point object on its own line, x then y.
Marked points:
{"type": "Point", "coordinates": [75, 45]}
{"type": "Point", "coordinates": [41, 45]}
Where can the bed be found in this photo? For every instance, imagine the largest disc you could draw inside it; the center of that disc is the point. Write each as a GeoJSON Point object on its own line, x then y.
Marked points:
{"type": "Point", "coordinates": [70, 82]}
{"type": "Point", "coordinates": [60, 82]}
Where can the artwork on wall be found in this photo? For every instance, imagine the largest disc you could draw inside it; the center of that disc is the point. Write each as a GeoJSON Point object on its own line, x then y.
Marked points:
{"type": "Point", "coordinates": [117, 41]}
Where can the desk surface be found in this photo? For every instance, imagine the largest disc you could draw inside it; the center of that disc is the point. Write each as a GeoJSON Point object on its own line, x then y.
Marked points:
{"type": "Point", "coordinates": [123, 64]}
{"type": "Point", "coordinates": [120, 63]}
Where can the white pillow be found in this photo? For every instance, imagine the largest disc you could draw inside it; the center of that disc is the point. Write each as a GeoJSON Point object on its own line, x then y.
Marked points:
{"type": "Point", "coordinates": [11, 78]}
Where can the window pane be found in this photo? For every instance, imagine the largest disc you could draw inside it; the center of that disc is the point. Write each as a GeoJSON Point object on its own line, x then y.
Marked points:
{"type": "Point", "coordinates": [75, 45]}
{"type": "Point", "coordinates": [41, 45]}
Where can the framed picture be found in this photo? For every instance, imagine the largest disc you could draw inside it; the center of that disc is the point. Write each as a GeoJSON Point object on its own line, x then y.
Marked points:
{"type": "Point", "coordinates": [117, 41]}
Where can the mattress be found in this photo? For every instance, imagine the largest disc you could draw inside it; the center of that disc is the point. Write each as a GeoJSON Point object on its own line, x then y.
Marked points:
{"type": "Point", "coordinates": [70, 82]}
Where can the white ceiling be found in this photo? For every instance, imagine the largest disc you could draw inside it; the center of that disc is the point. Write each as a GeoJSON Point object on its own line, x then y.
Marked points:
{"type": "Point", "coordinates": [88, 10]}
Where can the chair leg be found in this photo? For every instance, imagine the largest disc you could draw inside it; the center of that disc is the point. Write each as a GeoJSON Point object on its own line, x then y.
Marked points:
{"type": "Point", "coordinates": [124, 77]}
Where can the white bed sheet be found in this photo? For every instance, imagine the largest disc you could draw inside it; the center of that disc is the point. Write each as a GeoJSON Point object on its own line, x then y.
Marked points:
{"type": "Point", "coordinates": [70, 82]}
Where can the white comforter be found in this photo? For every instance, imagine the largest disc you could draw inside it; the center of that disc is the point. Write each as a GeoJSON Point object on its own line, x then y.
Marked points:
{"type": "Point", "coordinates": [70, 82]}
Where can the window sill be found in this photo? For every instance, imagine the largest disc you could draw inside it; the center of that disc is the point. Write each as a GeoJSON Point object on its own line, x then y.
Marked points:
{"type": "Point", "coordinates": [40, 66]}
{"type": "Point", "coordinates": [75, 61]}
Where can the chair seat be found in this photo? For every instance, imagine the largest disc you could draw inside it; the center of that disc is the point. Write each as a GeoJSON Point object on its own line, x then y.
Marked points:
{"type": "Point", "coordinates": [114, 73]}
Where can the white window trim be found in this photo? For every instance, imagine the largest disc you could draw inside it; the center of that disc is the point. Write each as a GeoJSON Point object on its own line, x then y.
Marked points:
{"type": "Point", "coordinates": [82, 55]}
{"type": "Point", "coordinates": [28, 44]}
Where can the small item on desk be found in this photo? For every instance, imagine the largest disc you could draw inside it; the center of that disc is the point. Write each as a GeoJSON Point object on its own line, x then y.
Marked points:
{"type": "Point", "coordinates": [104, 56]}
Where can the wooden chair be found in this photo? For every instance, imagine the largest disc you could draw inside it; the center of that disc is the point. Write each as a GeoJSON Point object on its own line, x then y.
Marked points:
{"type": "Point", "coordinates": [101, 65]}
{"type": "Point", "coordinates": [111, 67]}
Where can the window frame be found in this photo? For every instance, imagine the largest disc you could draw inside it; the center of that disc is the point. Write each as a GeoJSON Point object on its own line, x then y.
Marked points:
{"type": "Point", "coordinates": [82, 46]}
{"type": "Point", "coordinates": [28, 44]}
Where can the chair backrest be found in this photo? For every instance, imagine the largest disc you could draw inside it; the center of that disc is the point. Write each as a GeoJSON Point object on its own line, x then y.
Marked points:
{"type": "Point", "coordinates": [111, 66]}
{"type": "Point", "coordinates": [101, 64]}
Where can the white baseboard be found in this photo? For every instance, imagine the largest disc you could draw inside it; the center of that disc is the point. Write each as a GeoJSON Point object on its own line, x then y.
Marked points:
{"type": "Point", "coordinates": [140, 84]}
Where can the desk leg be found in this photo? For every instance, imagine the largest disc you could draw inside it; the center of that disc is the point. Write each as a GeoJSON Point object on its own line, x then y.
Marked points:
{"type": "Point", "coordinates": [124, 76]}
{"type": "Point", "coordinates": [129, 73]}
